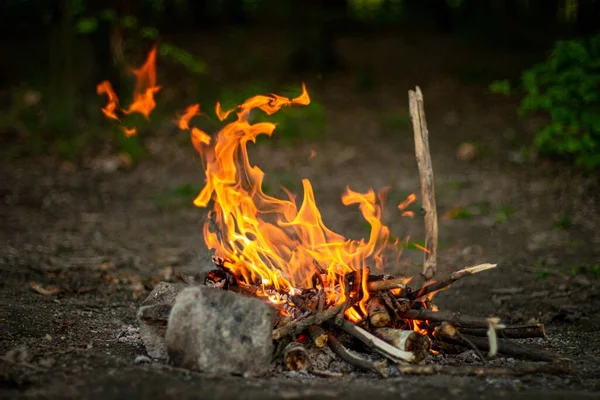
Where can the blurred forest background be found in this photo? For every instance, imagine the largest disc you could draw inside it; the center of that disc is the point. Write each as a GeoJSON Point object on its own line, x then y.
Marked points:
{"type": "Point", "coordinates": [53, 53]}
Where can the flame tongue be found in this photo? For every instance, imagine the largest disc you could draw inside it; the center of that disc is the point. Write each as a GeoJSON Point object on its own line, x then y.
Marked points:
{"type": "Point", "coordinates": [270, 241]}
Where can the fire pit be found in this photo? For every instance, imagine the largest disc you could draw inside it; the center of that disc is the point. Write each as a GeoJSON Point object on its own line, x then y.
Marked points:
{"type": "Point", "coordinates": [317, 290]}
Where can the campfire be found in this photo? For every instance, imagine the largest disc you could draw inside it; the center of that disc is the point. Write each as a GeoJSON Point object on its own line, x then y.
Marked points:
{"type": "Point", "coordinates": [328, 292]}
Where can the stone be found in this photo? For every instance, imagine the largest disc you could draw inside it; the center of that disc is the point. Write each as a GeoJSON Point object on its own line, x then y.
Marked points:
{"type": "Point", "coordinates": [220, 332]}
{"type": "Point", "coordinates": [153, 316]}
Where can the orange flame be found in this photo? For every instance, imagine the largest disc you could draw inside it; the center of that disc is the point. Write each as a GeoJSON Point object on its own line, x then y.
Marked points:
{"type": "Point", "coordinates": [145, 87]}
{"type": "Point", "coordinates": [143, 96]}
{"type": "Point", "coordinates": [271, 241]}
{"type": "Point", "coordinates": [113, 101]}
{"type": "Point", "coordinates": [263, 240]}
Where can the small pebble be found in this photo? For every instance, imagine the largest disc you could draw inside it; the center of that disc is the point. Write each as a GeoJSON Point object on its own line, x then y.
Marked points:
{"type": "Point", "coordinates": [142, 359]}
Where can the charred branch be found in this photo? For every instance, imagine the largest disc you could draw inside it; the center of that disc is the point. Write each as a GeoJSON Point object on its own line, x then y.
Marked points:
{"type": "Point", "coordinates": [456, 319]}
{"type": "Point", "coordinates": [376, 344]}
{"type": "Point", "coordinates": [552, 369]}
{"type": "Point", "coordinates": [510, 332]}
{"type": "Point", "coordinates": [296, 327]}
{"type": "Point", "coordinates": [508, 348]}
{"type": "Point", "coordinates": [355, 360]}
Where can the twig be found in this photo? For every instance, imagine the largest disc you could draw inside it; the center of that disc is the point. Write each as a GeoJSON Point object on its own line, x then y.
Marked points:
{"type": "Point", "coordinates": [378, 345]}
{"type": "Point", "coordinates": [325, 373]}
{"type": "Point", "coordinates": [387, 284]}
{"type": "Point", "coordinates": [355, 360]}
{"type": "Point", "coordinates": [444, 283]}
{"type": "Point", "coordinates": [417, 113]}
{"type": "Point", "coordinates": [296, 327]}
{"type": "Point", "coordinates": [433, 369]}
{"type": "Point", "coordinates": [510, 331]}
{"type": "Point", "coordinates": [456, 319]}
{"type": "Point", "coordinates": [23, 364]}
{"type": "Point", "coordinates": [318, 335]}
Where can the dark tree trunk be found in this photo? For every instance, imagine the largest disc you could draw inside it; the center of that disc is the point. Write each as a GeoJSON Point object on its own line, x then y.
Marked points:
{"type": "Point", "coordinates": [315, 26]}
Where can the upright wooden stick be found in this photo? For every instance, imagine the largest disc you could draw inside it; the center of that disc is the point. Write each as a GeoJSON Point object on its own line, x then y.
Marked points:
{"type": "Point", "coordinates": [417, 114]}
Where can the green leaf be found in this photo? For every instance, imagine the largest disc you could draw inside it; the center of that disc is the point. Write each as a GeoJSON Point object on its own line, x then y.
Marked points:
{"type": "Point", "coordinates": [129, 22]}
{"type": "Point", "coordinates": [87, 25]}
{"type": "Point", "coordinates": [149, 32]}
{"type": "Point", "coordinates": [108, 15]}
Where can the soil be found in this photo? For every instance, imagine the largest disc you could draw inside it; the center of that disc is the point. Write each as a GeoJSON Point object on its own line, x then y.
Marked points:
{"type": "Point", "coordinates": [82, 244]}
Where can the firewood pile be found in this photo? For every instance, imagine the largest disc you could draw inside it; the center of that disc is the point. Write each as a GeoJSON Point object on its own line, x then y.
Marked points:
{"type": "Point", "coordinates": [401, 328]}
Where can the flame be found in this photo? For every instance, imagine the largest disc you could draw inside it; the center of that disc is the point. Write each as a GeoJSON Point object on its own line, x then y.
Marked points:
{"type": "Point", "coordinates": [113, 101]}
{"type": "Point", "coordinates": [274, 242]}
{"type": "Point", "coordinates": [143, 96]}
{"type": "Point", "coordinates": [275, 245]}
{"type": "Point", "coordinates": [145, 87]}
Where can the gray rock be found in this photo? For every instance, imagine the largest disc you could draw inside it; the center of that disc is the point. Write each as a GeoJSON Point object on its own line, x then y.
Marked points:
{"type": "Point", "coordinates": [153, 316]}
{"type": "Point", "coordinates": [220, 332]}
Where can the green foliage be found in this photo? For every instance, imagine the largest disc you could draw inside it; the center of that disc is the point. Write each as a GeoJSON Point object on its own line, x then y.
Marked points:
{"type": "Point", "coordinates": [503, 214]}
{"type": "Point", "coordinates": [137, 33]}
{"type": "Point", "coordinates": [566, 87]}
{"type": "Point", "coordinates": [500, 87]}
{"type": "Point", "coordinates": [564, 222]}
{"type": "Point", "coordinates": [586, 269]}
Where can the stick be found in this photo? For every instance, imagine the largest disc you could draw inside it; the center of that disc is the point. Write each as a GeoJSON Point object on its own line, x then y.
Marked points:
{"type": "Point", "coordinates": [510, 348]}
{"type": "Point", "coordinates": [318, 336]}
{"type": "Point", "coordinates": [378, 313]}
{"type": "Point", "coordinates": [295, 357]}
{"type": "Point", "coordinates": [387, 284]}
{"type": "Point", "coordinates": [417, 113]}
{"type": "Point", "coordinates": [406, 340]}
{"type": "Point", "coordinates": [456, 319]}
{"type": "Point", "coordinates": [298, 326]}
{"type": "Point", "coordinates": [528, 369]}
{"type": "Point", "coordinates": [378, 345]}
{"type": "Point", "coordinates": [510, 332]}
{"type": "Point", "coordinates": [355, 360]}
{"type": "Point", "coordinates": [444, 283]}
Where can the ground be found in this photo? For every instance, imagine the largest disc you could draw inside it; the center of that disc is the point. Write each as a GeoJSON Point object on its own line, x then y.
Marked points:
{"type": "Point", "coordinates": [83, 243]}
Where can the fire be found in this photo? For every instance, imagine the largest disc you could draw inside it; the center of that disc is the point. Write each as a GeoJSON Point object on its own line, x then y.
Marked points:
{"type": "Point", "coordinates": [143, 96]}
{"type": "Point", "coordinates": [279, 245]}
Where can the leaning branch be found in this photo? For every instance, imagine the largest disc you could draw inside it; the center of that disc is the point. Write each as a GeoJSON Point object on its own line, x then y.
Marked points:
{"type": "Point", "coordinates": [444, 283]}
{"type": "Point", "coordinates": [417, 113]}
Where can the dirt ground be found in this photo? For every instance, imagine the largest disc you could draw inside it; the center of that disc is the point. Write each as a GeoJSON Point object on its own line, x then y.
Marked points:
{"type": "Point", "coordinates": [82, 244]}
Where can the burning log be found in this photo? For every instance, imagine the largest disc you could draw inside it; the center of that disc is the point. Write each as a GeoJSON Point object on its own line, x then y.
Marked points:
{"type": "Point", "coordinates": [444, 283]}
{"type": "Point", "coordinates": [296, 358]}
{"type": "Point", "coordinates": [405, 340]}
{"type": "Point", "coordinates": [417, 114]}
{"type": "Point", "coordinates": [387, 284]}
{"type": "Point", "coordinates": [378, 313]}
{"type": "Point", "coordinates": [318, 336]}
{"type": "Point", "coordinates": [359, 362]}
{"type": "Point", "coordinates": [510, 331]}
